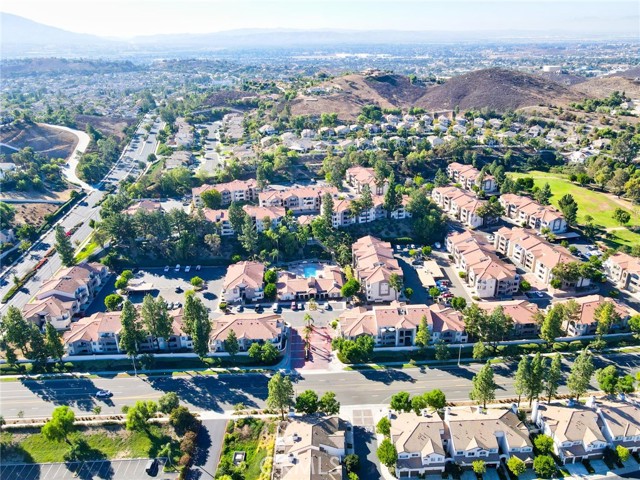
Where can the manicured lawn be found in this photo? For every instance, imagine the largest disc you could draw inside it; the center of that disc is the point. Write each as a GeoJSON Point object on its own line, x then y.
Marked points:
{"type": "Point", "coordinates": [103, 443]}
{"type": "Point", "coordinates": [86, 251]}
{"type": "Point", "coordinates": [253, 436]}
{"type": "Point", "coordinates": [596, 204]}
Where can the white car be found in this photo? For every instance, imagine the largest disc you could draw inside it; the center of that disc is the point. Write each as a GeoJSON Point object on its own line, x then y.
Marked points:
{"type": "Point", "coordinates": [166, 269]}
{"type": "Point", "coordinates": [437, 245]}
{"type": "Point", "coordinates": [177, 269]}
{"type": "Point", "coordinates": [187, 268]}
{"type": "Point", "coordinates": [198, 267]}
{"type": "Point", "coordinates": [103, 394]}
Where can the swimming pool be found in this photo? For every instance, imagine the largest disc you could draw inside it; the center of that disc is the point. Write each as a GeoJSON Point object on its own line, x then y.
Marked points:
{"type": "Point", "coordinates": [311, 271]}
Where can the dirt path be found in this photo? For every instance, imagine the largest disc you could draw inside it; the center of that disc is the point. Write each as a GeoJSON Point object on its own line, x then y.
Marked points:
{"type": "Point", "coordinates": [70, 170]}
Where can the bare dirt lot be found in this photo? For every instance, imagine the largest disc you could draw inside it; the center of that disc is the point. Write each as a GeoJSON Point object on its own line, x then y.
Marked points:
{"type": "Point", "coordinates": [33, 213]}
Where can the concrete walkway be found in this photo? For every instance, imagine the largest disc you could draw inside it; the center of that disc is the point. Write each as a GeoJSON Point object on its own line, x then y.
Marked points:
{"type": "Point", "coordinates": [72, 164]}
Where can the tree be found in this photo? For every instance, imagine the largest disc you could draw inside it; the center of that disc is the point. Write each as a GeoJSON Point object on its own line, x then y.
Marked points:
{"type": "Point", "coordinates": [516, 466]}
{"type": "Point", "coordinates": [393, 198]}
{"type": "Point", "coordinates": [231, 345]}
{"type": "Point", "coordinates": [418, 403]}
{"type": "Point", "coordinates": [401, 402]}
{"type": "Point", "coordinates": [269, 353]}
{"type": "Point", "coordinates": [384, 427]}
{"type": "Point", "coordinates": [60, 425]}
{"type": "Point", "coordinates": [458, 303]}
{"type": "Point", "coordinates": [280, 393]}
{"type": "Point", "coordinates": [327, 210]}
{"type": "Point", "coordinates": [634, 325]}
{"type": "Point", "coordinates": [623, 453]}
{"type": "Point", "coordinates": [545, 466]}
{"type": "Point", "coordinates": [569, 208]}
{"type": "Point", "coordinates": [350, 288]}
{"type": "Point", "coordinates": [182, 420]}
{"type": "Point", "coordinates": [53, 342]}
{"type": "Point", "coordinates": [543, 196]}
{"type": "Point", "coordinates": [249, 236]}
{"type": "Point", "coordinates": [138, 416]}
{"type": "Point", "coordinates": [490, 210]}
{"type": "Point", "coordinates": [168, 402]}
{"type": "Point", "coordinates": [544, 444]}
{"type": "Point", "coordinates": [489, 328]}
{"type": "Point", "coordinates": [523, 373]}
{"type": "Point", "coordinates": [236, 216]}
{"type": "Point", "coordinates": [580, 374]}
{"type": "Point", "coordinates": [479, 467]}
{"type": "Point", "coordinates": [423, 335]}
{"type": "Point", "coordinates": [113, 302]}
{"type": "Point", "coordinates": [211, 198]}
{"type": "Point", "coordinates": [307, 402]}
{"type": "Point", "coordinates": [352, 463]}
{"type": "Point", "coordinates": [131, 333]}
{"type": "Point", "coordinates": [551, 327]}
{"type": "Point", "coordinates": [440, 179]}
{"type": "Point", "coordinates": [155, 317]}
{"type": "Point", "coordinates": [484, 387]}
{"type": "Point", "coordinates": [270, 276]}
{"type": "Point", "coordinates": [435, 399]}
{"type": "Point", "coordinates": [270, 291]}
{"type": "Point", "coordinates": [255, 351]}
{"type": "Point", "coordinates": [197, 282]}
{"type": "Point", "coordinates": [626, 384]}
{"type": "Point", "coordinates": [214, 242]}
{"type": "Point", "coordinates": [553, 377]}
{"type": "Point", "coordinates": [621, 216]}
{"type": "Point", "coordinates": [328, 404]}
{"type": "Point", "coordinates": [536, 379]}
{"type": "Point", "coordinates": [37, 347]}
{"type": "Point", "coordinates": [64, 247]}
{"type": "Point", "coordinates": [480, 351]}
{"type": "Point", "coordinates": [197, 324]}
{"type": "Point", "coordinates": [442, 351]}
{"type": "Point", "coordinates": [608, 379]}
{"type": "Point", "coordinates": [387, 453]}
{"type": "Point", "coordinates": [395, 282]}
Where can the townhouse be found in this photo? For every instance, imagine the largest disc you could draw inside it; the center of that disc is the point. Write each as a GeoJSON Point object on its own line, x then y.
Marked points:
{"type": "Point", "coordinates": [585, 321]}
{"type": "Point", "coordinates": [358, 177]}
{"type": "Point", "coordinates": [624, 271]}
{"type": "Point", "coordinates": [619, 421]}
{"type": "Point", "coordinates": [234, 191]}
{"type": "Point", "coordinates": [326, 283]}
{"type": "Point", "coordinates": [373, 265]}
{"type": "Point", "coordinates": [530, 252]}
{"type": "Point", "coordinates": [523, 313]}
{"type": "Point", "coordinates": [311, 448]}
{"type": "Point", "coordinates": [244, 281]}
{"type": "Point", "coordinates": [146, 206]}
{"type": "Point", "coordinates": [298, 199]}
{"type": "Point", "coordinates": [343, 211]}
{"type": "Point", "coordinates": [470, 177]}
{"type": "Point", "coordinates": [491, 435]}
{"type": "Point", "coordinates": [396, 325]}
{"type": "Point", "coordinates": [459, 204]}
{"type": "Point", "coordinates": [573, 428]}
{"type": "Point", "coordinates": [533, 215]}
{"type": "Point", "coordinates": [67, 294]}
{"type": "Point", "coordinates": [419, 441]}
{"type": "Point", "coordinates": [487, 274]}
{"type": "Point", "coordinates": [261, 217]}
{"type": "Point", "coordinates": [249, 328]}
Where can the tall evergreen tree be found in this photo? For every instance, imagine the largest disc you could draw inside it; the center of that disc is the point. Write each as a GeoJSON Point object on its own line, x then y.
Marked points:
{"type": "Point", "coordinates": [64, 247]}
{"type": "Point", "coordinates": [327, 210]}
{"type": "Point", "coordinates": [281, 393]}
{"type": "Point", "coordinates": [484, 387]}
{"type": "Point", "coordinates": [523, 373]}
{"type": "Point", "coordinates": [393, 198]}
{"type": "Point", "coordinates": [131, 334]}
{"type": "Point", "coordinates": [580, 375]}
{"type": "Point", "coordinates": [16, 329]}
{"type": "Point", "coordinates": [231, 345]}
{"type": "Point", "coordinates": [156, 318]}
{"type": "Point", "coordinates": [249, 236]}
{"type": "Point", "coordinates": [197, 324]}
{"type": "Point", "coordinates": [553, 377]}
{"type": "Point", "coordinates": [423, 335]}
{"type": "Point", "coordinates": [536, 382]}
{"type": "Point", "coordinates": [53, 342]}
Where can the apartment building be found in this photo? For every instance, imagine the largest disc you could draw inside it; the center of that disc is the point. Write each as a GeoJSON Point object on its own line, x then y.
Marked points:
{"type": "Point", "coordinates": [343, 212]}
{"type": "Point", "coordinates": [488, 275]}
{"type": "Point", "coordinates": [326, 283]}
{"type": "Point", "coordinates": [585, 321]}
{"type": "Point", "coordinates": [470, 177]}
{"type": "Point", "coordinates": [146, 206]}
{"type": "Point", "coordinates": [358, 177]}
{"type": "Point", "coordinates": [419, 441]}
{"type": "Point", "coordinates": [244, 281]}
{"type": "Point", "coordinates": [258, 215]}
{"type": "Point", "coordinates": [373, 265]}
{"type": "Point", "coordinates": [249, 328]}
{"type": "Point", "coordinates": [530, 252]}
{"type": "Point", "coordinates": [492, 435]}
{"type": "Point", "coordinates": [234, 191]}
{"type": "Point", "coordinates": [459, 204]}
{"type": "Point", "coordinates": [533, 215]}
{"type": "Point", "coordinates": [619, 421]}
{"type": "Point", "coordinates": [624, 271]}
{"type": "Point", "coordinates": [396, 325]}
{"type": "Point", "coordinates": [312, 448]}
{"type": "Point", "coordinates": [299, 200]}
{"type": "Point", "coordinates": [523, 313]}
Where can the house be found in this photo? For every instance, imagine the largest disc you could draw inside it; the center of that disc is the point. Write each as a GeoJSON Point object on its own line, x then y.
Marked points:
{"type": "Point", "coordinates": [585, 321]}
{"type": "Point", "coordinates": [624, 271]}
{"type": "Point", "coordinates": [484, 271]}
{"type": "Point", "coordinates": [523, 313]}
{"type": "Point", "coordinates": [56, 310]}
{"type": "Point", "coordinates": [180, 158]}
{"type": "Point", "coordinates": [299, 200]}
{"type": "Point", "coordinates": [7, 236]}
{"type": "Point", "coordinates": [311, 448]}
{"type": "Point", "coordinates": [146, 206]}
{"type": "Point", "coordinates": [619, 421]}
{"type": "Point", "coordinates": [267, 130]}
{"type": "Point", "coordinates": [419, 441]}
{"type": "Point", "coordinates": [530, 252]}
{"type": "Point", "coordinates": [470, 177]}
{"type": "Point", "coordinates": [326, 283]}
{"type": "Point", "coordinates": [373, 266]}
{"type": "Point", "coordinates": [249, 328]}
{"type": "Point", "coordinates": [234, 191]}
{"type": "Point", "coordinates": [479, 122]}
{"type": "Point", "coordinates": [358, 177]}
{"type": "Point", "coordinates": [396, 325]}
{"type": "Point", "coordinates": [492, 435]}
{"type": "Point", "coordinates": [573, 428]}
{"type": "Point", "coordinates": [459, 204]}
{"type": "Point", "coordinates": [531, 214]}
{"type": "Point", "coordinates": [5, 168]}
{"type": "Point", "coordinates": [243, 282]}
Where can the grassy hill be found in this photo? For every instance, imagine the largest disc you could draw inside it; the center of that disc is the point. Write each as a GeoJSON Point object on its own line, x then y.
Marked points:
{"type": "Point", "coordinates": [599, 205]}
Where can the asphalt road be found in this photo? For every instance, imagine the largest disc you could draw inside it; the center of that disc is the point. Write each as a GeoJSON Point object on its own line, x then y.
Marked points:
{"type": "Point", "coordinates": [81, 214]}
{"type": "Point", "coordinates": [205, 460]}
{"type": "Point", "coordinates": [219, 393]}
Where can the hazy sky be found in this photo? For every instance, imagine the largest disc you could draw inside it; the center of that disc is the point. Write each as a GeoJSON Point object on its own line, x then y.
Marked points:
{"type": "Point", "coordinates": [126, 18]}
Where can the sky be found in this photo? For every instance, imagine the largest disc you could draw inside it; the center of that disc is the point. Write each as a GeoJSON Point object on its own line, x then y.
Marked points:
{"type": "Point", "coordinates": [128, 18]}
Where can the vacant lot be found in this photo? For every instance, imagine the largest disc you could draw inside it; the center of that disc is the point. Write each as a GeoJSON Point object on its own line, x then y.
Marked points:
{"type": "Point", "coordinates": [255, 438]}
{"type": "Point", "coordinates": [599, 205]}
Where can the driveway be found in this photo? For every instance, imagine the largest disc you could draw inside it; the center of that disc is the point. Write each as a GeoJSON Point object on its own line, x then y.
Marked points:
{"type": "Point", "coordinates": [210, 438]}
{"type": "Point", "coordinates": [365, 443]}
{"type": "Point", "coordinates": [576, 469]}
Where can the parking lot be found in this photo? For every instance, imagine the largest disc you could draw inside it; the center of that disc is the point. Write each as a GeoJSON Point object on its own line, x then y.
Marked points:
{"type": "Point", "coordinates": [103, 469]}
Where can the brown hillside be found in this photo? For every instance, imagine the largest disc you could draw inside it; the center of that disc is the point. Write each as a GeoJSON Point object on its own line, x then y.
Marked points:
{"type": "Point", "coordinates": [602, 87]}
{"type": "Point", "coordinates": [108, 126]}
{"type": "Point", "coordinates": [497, 89]}
{"type": "Point", "coordinates": [351, 92]}
{"type": "Point", "coordinates": [47, 141]}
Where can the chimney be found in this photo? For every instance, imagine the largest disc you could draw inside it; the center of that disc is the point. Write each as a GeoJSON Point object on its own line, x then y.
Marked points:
{"type": "Point", "coordinates": [514, 408]}
{"type": "Point", "coordinates": [447, 414]}
{"type": "Point", "coordinates": [591, 402]}
{"type": "Point", "coordinates": [534, 411]}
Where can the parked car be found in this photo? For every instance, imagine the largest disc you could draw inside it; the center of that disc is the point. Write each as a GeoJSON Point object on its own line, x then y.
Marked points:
{"type": "Point", "coordinates": [166, 269]}
{"type": "Point", "coordinates": [177, 269]}
{"type": "Point", "coordinates": [104, 394]}
{"type": "Point", "coordinates": [170, 306]}
{"type": "Point", "coordinates": [198, 267]}
{"type": "Point", "coordinates": [177, 305]}
{"type": "Point", "coordinates": [187, 268]}
{"type": "Point", "coordinates": [328, 307]}
{"type": "Point", "coordinates": [275, 308]}
{"type": "Point", "coordinates": [301, 306]}
{"type": "Point", "coordinates": [259, 309]}
{"type": "Point", "coordinates": [239, 309]}
{"type": "Point", "coordinates": [437, 245]}
{"type": "Point", "coordinates": [152, 467]}
{"type": "Point", "coordinates": [179, 289]}
{"type": "Point", "coordinates": [294, 306]}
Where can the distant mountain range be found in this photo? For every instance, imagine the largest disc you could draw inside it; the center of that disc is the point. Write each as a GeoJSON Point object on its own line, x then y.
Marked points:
{"type": "Point", "coordinates": [23, 37]}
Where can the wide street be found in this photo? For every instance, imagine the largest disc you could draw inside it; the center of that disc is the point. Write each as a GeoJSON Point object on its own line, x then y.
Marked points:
{"type": "Point", "coordinates": [217, 393]}
{"type": "Point", "coordinates": [137, 151]}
